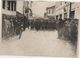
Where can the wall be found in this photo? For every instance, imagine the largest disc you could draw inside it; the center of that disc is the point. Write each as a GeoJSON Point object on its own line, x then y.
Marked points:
{"type": "Point", "coordinates": [77, 10]}
{"type": "Point", "coordinates": [20, 6]}
{"type": "Point", "coordinates": [6, 11]}
{"type": "Point", "coordinates": [60, 9]}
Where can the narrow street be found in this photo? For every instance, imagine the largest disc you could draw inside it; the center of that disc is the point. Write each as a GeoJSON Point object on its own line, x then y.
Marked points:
{"type": "Point", "coordinates": [37, 43]}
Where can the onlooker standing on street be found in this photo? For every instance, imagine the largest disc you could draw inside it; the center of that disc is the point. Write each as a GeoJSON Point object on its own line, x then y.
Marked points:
{"type": "Point", "coordinates": [60, 26]}
{"type": "Point", "coordinates": [7, 26]}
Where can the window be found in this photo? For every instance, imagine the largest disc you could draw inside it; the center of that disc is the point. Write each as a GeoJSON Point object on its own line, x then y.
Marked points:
{"type": "Point", "coordinates": [60, 16]}
{"type": "Point", "coordinates": [3, 4]}
{"type": "Point", "coordinates": [65, 15]}
{"type": "Point", "coordinates": [12, 5]}
{"type": "Point", "coordinates": [8, 5]}
{"type": "Point", "coordinates": [57, 17]}
{"type": "Point", "coordinates": [72, 14]}
{"type": "Point", "coordinates": [49, 11]}
{"type": "Point", "coordinates": [65, 2]}
{"type": "Point", "coordinates": [65, 9]}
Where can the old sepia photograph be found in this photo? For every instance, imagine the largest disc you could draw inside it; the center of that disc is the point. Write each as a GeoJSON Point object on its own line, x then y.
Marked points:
{"type": "Point", "coordinates": [40, 28]}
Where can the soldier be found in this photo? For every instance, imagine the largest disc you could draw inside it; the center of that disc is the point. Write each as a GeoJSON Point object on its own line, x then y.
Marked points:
{"type": "Point", "coordinates": [74, 30]}
{"type": "Point", "coordinates": [12, 26]}
{"type": "Point", "coordinates": [21, 27]}
{"type": "Point", "coordinates": [7, 26]}
{"type": "Point", "coordinates": [65, 30]}
{"type": "Point", "coordinates": [60, 26]}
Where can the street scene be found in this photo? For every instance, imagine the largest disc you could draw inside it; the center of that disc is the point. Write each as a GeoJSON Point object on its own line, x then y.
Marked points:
{"type": "Point", "coordinates": [39, 28]}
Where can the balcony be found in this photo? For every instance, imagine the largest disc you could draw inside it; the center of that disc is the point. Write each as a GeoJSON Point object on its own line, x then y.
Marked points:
{"type": "Point", "coordinates": [7, 12]}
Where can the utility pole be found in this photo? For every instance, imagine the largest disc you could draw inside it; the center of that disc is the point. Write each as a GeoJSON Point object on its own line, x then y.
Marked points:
{"type": "Point", "coordinates": [23, 8]}
{"type": "Point", "coordinates": [70, 10]}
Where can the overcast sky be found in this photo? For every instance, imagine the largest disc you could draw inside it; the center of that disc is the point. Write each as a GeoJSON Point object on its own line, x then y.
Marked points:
{"type": "Point", "coordinates": [39, 8]}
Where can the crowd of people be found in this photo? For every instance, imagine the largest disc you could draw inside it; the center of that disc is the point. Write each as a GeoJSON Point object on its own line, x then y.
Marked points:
{"type": "Point", "coordinates": [67, 28]}
{"type": "Point", "coordinates": [12, 26]}
{"type": "Point", "coordinates": [7, 26]}
{"type": "Point", "coordinates": [41, 24]}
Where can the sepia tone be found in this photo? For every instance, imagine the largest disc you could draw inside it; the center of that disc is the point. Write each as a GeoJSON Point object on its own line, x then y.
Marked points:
{"type": "Point", "coordinates": [40, 28]}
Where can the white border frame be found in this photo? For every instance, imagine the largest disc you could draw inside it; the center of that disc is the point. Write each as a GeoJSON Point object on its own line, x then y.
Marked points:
{"type": "Point", "coordinates": [5, 56]}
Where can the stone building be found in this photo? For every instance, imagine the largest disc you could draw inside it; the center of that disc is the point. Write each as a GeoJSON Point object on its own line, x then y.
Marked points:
{"type": "Point", "coordinates": [9, 7]}
{"type": "Point", "coordinates": [66, 10]}
{"type": "Point", "coordinates": [12, 11]}
{"type": "Point", "coordinates": [50, 12]}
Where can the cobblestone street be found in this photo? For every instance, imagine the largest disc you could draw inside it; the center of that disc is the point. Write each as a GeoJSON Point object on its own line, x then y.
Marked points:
{"type": "Point", "coordinates": [37, 43]}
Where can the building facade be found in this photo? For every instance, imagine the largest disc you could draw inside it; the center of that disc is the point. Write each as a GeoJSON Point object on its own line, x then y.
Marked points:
{"type": "Point", "coordinates": [12, 7]}
{"type": "Point", "coordinates": [66, 10]}
{"type": "Point", "coordinates": [13, 12]}
{"type": "Point", "coordinates": [9, 7]}
{"type": "Point", "coordinates": [50, 12]}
